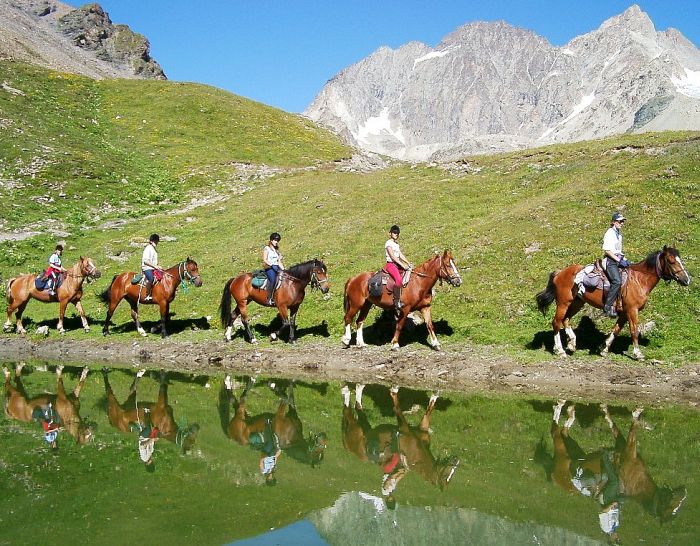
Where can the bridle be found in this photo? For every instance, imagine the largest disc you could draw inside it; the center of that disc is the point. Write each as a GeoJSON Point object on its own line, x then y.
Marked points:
{"type": "Point", "coordinates": [184, 274]}
{"type": "Point", "coordinates": [315, 281]}
{"type": "Point", "coordinates": [661, 270]}
{"type": "Point", "coordinates": [90, 275]}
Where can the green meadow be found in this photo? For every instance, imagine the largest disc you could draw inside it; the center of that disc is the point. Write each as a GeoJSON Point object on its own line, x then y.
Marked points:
{"type": "Point", "coordinates": [106, 163]}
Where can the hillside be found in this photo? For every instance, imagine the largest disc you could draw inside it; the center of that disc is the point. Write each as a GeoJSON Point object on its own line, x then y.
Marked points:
{"type": "Point", "coordinates": [510, 219]}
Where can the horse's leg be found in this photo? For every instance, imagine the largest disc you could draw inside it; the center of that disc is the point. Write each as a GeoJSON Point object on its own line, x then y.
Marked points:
{"type": "Point", "coordinates": [358, 396]}
{"type": "Point", "coordinates": [397, 331]}
{"type": "Point", "coordinates": [293, 324]}
{"type": "Point", "coordinates": [284, 315]}
{"type": "Point", "coordinates": [557, 321]}
{"type": "Point", "coordinates": [83, 318]}
{"type": "Point", "coordinates": [62, 304]}
{"type": "Point", "coordinates": [81, 382]}
{"type": "Point", "coordinates": [18, 315]}
{"type": "Point", "coordinates": [364, 311]}
{"type": "Point", "coordinates": [164, 312]}
{"type": "Point", "coordinates": [10, 309]}
{"type": "Point", "coordinates": [574, 308]}
{"type": "Point", "coordinates": [631, 448]}
{"type": "Point", "coordinates": [425, 421]}
{"type": "Point", "coordinates": [633, 318]}
{"type": "Point", "coordinates": [616, 434]}
{"type": "Point", "coordinates": [135, 317]}
{"type": "Point", "coordinates": [400, 419]}
{"type": "Point", "coordinates": [352, 307]}
{"type": "Point", "coordinates": [432, 338]}
{"type": "Point", "coordinates": [113, 302]}
{"type": "Point", "coordinates": [615, 331]}
{"type": "Point", "coordinates": [243, 307]}
{"type": "Point", "coordinates": [229, 326]}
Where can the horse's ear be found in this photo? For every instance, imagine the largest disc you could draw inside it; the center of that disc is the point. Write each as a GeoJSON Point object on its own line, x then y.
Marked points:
{"type": "Point", "coordinates": [81, 258]}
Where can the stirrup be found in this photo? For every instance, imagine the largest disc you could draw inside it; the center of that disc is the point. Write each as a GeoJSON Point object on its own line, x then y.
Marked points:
{"type": "Point", "coordinates": [148, 298]}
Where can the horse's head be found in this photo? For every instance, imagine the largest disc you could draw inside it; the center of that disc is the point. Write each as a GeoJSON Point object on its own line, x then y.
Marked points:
{"type": "Point", "coordinates": [190, 272]}
{"type": "Point", "coordinates": [317, 446]}
{"type": "Point", "coordinates": [668, 502]}
{"type": "Point", "coordinates": [448, 269]}
{"type": "Point", "coordinates": [319, 276]}
{"type": "Point", "coordinates": [672, 267]}
{"type": "Point", "coordinates": [88, 268]}
{"type": "Point", "coordinates": [186, 437]}
{"type": "Point", "coordinates": [446, 469]}
{"type": "Point", "coordinates": [86, 432]}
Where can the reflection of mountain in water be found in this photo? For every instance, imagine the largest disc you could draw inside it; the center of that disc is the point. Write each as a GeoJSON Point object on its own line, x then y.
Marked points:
{"type": "Point", "coordinates": [359, 518]}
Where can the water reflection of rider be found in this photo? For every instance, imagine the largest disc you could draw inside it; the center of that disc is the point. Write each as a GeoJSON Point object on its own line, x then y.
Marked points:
{"type": "Point", "coordinates": [50, 427]}
{"type": "Point", "coordinates": [268, 443]}
{"type": "Point", "coordinates": [147, 439]}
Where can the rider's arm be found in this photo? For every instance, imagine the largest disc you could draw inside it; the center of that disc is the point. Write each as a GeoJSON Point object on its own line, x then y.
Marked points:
{"type": "Point", "coordinates": [610, 254]}
{"type": "Point", "coordinates": [266, 261]}
{"type": "Point", "coordinates": [400, 259]}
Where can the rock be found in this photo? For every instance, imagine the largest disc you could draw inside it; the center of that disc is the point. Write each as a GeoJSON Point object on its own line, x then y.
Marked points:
{"type": "Point", "coordinates": [43, 331]}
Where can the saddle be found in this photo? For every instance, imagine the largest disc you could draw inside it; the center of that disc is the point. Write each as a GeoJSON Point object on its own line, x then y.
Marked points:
{"type": "Point", "coordinates": [382, 278]}
{"type": "Point", "coordinates": [260, 279]}
{"type": "Point", "coordinates": [593, 277]}
{"type": "Point", "coordinates": [140, 278]}
{"type": "Point", "coordinates": [41, 282]}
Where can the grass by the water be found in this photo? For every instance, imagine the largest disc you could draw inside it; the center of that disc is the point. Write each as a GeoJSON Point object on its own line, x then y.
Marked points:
{"type": "Point", "coordinates": [140, 150]}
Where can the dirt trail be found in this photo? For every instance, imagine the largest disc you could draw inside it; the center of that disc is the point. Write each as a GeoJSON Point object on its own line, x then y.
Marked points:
{"type": "Point", "coordinates": [464, 369]}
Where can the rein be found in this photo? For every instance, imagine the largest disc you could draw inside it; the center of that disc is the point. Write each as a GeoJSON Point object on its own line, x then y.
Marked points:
{"type": "Point", "coordinates": [184, 275]}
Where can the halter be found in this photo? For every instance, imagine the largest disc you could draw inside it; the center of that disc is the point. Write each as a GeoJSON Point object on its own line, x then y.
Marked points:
{"type": "Point", "coordinates": [660, 270]}
{"type": "Point", "coordinates": [184, 275]}
{"type": "Point", "coordinates": [315, 281]}
{"type": "Point", "coordinates": [444, 273]}
{"type": "Point", "coordinates": [89, 275]}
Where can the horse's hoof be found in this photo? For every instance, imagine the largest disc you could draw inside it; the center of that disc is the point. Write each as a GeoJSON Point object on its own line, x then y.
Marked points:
{"type": "Point", "coordinates": [394, 346]}
{"type": "Point", "coordinates": [436, 347]}
{"type": "Point", "coordinates": [143, 333]}
{"type": "Point", "coordinates": [254, 341]}
{"type": "Point", "coordinates": [346, 343]}
{"type": "Point", "coordinates": [273, 337]}
{"type": "Point", "coordinates": [87, 329]}
{"type": "Point", "coordinates": [292, 341]}
{"type": "Point", "coordinates": [105, 333]}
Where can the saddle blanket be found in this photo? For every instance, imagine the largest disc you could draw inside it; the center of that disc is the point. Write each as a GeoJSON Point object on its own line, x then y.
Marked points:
{"type": "Point", "coordinates": [592, 277]}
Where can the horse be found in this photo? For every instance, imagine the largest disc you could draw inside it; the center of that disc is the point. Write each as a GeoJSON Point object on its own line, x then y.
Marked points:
{"type": "Point", "coordinates": [20, 407]}
{"type": "Point", "coordinates": [376, 444]}
{"type": "Point", "coordinates": [21, 289]}
{"type": "Point", "coordinates": [416, 296]}
{"type": "Point", "coordinates": [288, 297]}
{"type": "Point", "coordinates": [162, 295]}
{"type": "Point", "coordinates": [285, 423]}
{"type": "Point", "coordinates": [132, 413]}
{"type": "Point", "coordinates": [643, 276]}
{"type": "Point", "coordinates": [576, 471]}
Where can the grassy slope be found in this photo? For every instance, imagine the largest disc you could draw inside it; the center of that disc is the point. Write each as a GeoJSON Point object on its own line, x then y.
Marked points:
{"type": "Point", "coordinates": [557, 199]}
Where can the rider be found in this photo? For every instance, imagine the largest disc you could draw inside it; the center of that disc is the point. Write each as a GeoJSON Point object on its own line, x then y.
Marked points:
{"type": "Point", "coordinates": [55, 269]}
{"type": "Point", "coordinates": [268, 443]}
{"type": "Point", "coordinates": [147, 439]}
{"type": "Point", "coordinates": [612, 247]}
{"type": "Point", "coordinates": [272, 260]}
{"type": "Point", "coordinates": [396, 263]}
{"type": "Point", "coordinates": [149, 265]}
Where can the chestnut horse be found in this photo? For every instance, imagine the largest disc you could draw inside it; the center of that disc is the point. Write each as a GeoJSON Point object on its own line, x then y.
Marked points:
{"type": "Point", "coordinates": [288, 297]}
{"type": "Point", "coordinates": [416, 296]}
{"type": "Point", "coordinates": [576, 471]}
{"type": "Point", "coordinates": [163, 293]}
{"type": "Point", "coordinates": [21, 289]}
{"type": "Point", "coordinates": [375, 444]}
{"type": "Point", "coordinates": [19, 406]}
{"type": "Point", "coordinates": [665, 264]}
{"type": "Point", "coordinates": [285, 424]}
{"type": "Point", "coordinates": [159, 414]}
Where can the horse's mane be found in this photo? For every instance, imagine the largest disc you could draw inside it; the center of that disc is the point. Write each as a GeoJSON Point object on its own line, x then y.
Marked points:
{"type": "Point", "coordinates": [302, 270]}
{"type": "Point", "coordinates": [650, 260]}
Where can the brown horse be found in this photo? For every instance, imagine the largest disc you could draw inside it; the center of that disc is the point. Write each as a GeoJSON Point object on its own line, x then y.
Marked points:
{"type": "Point", "coordinates": [665, 264]}
{"type": "Point", "coordinates": [133, 413]}
{"type": "Point", "coordinates": [377, 444]}
{"type": "Point", "coordinates": [19, 406]}
{"type": "Point", "coordinates": [288, 297]}
{"type": "Point", "coordinates": [416, 296]}
{"type": "Point", "coordinates": [285, 423]}
{"type": "Point", "coordinates": [576, 471]}
{"type": "Point", "coordinates": [163, 293]}
{"type": "Point", "coordinates": [21, 289]}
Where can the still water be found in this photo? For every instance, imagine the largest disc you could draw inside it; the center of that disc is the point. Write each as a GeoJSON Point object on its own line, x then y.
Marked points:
{"type": "Point", "coordinates": [210, 459]}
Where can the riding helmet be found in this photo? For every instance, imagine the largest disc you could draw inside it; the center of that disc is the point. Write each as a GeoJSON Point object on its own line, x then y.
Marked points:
{"type": "Point", "coordinates": [394, 229]}
{"type": "Point", "coordinates": [154, 238]}
{"type": "Point", "coordinates": [274, 236]}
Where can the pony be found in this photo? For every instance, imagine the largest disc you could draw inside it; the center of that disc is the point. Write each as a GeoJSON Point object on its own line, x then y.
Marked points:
{"type": "Point", "coordinates": [576, 471]}
{"type": "Point", "coordinates": [288, 297]}
{"type": "Point", "coordinates": [163, 293]}
{"type": "Point", "coordinates": [21, 289]}
{"type": "Point", "coordinates": [22, 408]}
{"type": "Point", "coordinates": [416, 296]}
{"type": "Point", "coordinates": [285, 423]}
{"type": "Point", "coordinates": [664, 264]}
{"type": "Point", "coordinates": [132, 413]}
{"type": "Point", "coordinates": [375, 444]}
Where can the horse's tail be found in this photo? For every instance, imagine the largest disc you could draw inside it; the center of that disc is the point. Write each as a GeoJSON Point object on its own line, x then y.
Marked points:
{"type": "Point", "coordinates": [106, 295]}
{"type": "Point", "coordinates": [8, 290]}
{"type": "Point", "coordinates": [346, 298]}
{"type": "Point", "coordinates": [225, 305]}
{"type": "Point", "coordinates": [548, 295]}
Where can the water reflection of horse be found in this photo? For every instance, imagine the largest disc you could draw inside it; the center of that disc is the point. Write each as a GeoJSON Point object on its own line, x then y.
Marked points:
{"type": "Point", "coordinates": [575, 470]}
{"type": "Point", "coordinates": [665, 264]}
{"type": "Point", "coordinates": [377, 444]}
{"type": "Point", "coordinates": [21, 289]}
{"type": "Point", "coordinates": [18, 405]}
{"type": "Point", "coordinates": [285, 423]}
{"type": "Point", "coordinates": [162, 295]}
{"type": "Point", "coordinates": [139, 413]}
{"type": "Point", "coordinates": [416, 296]}
{"type": "Point", "coordinates": [288, 297]}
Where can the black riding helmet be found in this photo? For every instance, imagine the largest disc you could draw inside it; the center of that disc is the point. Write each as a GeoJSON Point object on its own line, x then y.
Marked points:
{"type": "Point", "coordinates": [274, 236]}
{"type": "Point", "coordinates": [154, 238]}
{"type": "Point", "coordinates": [394, 229]}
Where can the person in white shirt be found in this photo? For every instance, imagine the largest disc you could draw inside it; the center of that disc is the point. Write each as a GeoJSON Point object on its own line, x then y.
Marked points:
{"type": "Point", "coordinates": [396, 263]}
{"type": "Point", "coordinates": [272, 260]}
{"type": "Point", "coordinates": [149, 265]}
{"type": "Point", "coordinates": [612, 247]}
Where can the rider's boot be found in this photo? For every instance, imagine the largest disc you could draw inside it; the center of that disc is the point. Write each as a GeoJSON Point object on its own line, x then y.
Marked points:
{"type": "Point", "coordinates": [50, 286]}
{"type": "Point", "coordinates": [397, 298]}
{"type": "Point", "coordinates": [270, 293]}
{"type": "Point", "coordinates": [149, 291]}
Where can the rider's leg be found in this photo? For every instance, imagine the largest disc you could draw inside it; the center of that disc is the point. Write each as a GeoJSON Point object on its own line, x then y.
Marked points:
{"type": "Point", "coordinates": [393, 270]}
{"type": "Point", "coordinates": [615, 283]}
{"type": "Point", "coordinates": [271, 273]}
{"type": "Point", "coordinates": [148, 273]}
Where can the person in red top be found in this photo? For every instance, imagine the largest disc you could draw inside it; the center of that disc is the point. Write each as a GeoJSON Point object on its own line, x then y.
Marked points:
{"type": "Point", "coordinates": [55, 269]}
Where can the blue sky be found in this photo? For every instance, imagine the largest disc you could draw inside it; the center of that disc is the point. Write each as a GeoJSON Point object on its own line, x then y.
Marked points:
{"type": "Point", "coordinates": [282, 52]}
